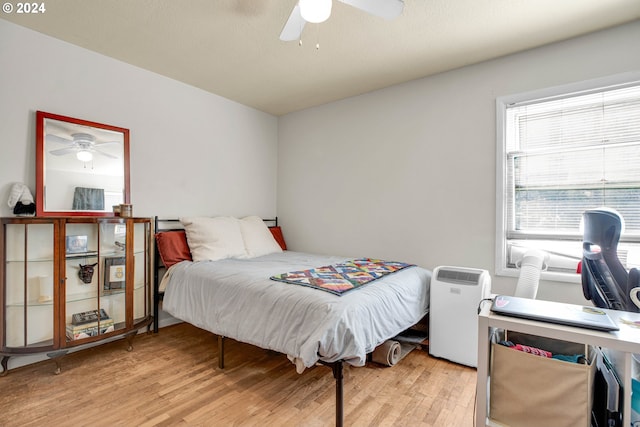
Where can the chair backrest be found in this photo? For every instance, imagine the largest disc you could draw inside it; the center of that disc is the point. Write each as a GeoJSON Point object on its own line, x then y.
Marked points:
{"type": "Point", "coordinates": [604, 278]}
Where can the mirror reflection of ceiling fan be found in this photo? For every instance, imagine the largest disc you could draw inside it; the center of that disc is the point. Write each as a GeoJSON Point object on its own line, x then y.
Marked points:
{"type": "Point", "coordinates": [316, 11]}
{"type": "Point", "coordinates": [84, 145]}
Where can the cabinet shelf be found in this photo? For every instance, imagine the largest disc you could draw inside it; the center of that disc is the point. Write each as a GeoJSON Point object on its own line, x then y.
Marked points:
{"type": "Point", "coordinates": [71, 298]}
{"type": "Point", "coordinates": [45, 343]}
{"type": "Point", "coordinates": [74, 256]}
{"type": "Point", "coordinates": [30, 260]}
{"type": "Point", "coordinates": [34, 303]}
{"type": "Point", "coordinates": [90, 254]}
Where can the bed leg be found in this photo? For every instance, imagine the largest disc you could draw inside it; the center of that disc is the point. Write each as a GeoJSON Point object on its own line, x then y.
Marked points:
{"type": "Point", "coordinates": [156, 311]}
{"type": "Point", "coordinates": [337, 374]}
{"type": "Point", "coordinates": [220, 352]}
{"type": "Point", "coordinates": [156, 323]}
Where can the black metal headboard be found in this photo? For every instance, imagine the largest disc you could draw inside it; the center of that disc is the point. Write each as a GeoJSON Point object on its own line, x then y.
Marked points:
{"type": "Point", "coordinates": [163, 225]}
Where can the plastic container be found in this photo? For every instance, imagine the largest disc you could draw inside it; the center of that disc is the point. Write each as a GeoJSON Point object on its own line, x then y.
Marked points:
{"type": "Point", "coordinates": [126, 210]}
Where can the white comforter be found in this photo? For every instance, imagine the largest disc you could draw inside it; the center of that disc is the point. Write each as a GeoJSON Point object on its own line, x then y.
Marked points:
{"type": "Point", "coordinates": [236, 299]}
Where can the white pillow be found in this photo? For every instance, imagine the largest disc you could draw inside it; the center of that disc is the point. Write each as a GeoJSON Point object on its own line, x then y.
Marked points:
{"type": "Point", "coordinates": [258, 240]}
{"type": "Point", "coordinates": [214, 238]}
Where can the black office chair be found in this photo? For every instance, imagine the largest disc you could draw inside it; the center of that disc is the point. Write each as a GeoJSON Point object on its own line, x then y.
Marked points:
{"type": "Point", "coordinates": [605, 281]}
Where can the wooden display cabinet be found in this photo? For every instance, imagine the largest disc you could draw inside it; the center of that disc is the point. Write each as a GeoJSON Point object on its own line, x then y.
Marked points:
{"type": "Point", "coordinates": [72, 281]}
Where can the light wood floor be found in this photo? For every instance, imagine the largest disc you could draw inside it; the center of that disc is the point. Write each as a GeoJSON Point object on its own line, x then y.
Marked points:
{"type": "Point", "coordinates": [172, 379]}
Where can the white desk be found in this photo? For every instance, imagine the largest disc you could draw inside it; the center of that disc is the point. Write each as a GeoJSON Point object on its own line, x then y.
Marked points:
{"type": "Point", "coordinates": [620, 344]}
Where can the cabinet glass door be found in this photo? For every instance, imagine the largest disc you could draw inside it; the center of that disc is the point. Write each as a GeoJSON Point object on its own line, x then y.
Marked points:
{"type": "Point", "coordinates": [113, 277]}
{"type": "Point", "coordinates": [142, 272]}
{"type": "Point", "coordinates": [28, 302]}
{"type": "Point", "coordinates": [95, 281]}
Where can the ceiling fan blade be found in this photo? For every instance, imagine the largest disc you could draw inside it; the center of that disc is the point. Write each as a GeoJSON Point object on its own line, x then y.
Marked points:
{"type": "Point", "coordinates": [293, 28]}
{"type": "Point", "coordinates": [56, 138]}
{"type": "Point", "coordinates": [63, 151]}
{"type": "Point", "coordinates": [387, 9]}
{"type": "Point", "coordinates": [98, 144]}
{"type": "Point", "coordinates": [102, 153]}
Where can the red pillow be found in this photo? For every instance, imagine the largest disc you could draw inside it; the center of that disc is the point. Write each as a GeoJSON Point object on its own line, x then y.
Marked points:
{"type": "Point", "coordinates": [173, 247]}
{"type": "Point", "coordinates": [277, 234]}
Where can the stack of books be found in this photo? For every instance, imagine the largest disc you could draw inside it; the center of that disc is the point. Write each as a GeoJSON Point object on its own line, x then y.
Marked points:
{"type": "Point", "coordinates": [89, 316]}
{"type": "Point", "coordinates": [89, 324]}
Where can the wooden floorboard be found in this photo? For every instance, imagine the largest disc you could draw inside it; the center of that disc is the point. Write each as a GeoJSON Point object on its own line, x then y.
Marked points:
{"type": "Point", "coordinates": [172, 379]}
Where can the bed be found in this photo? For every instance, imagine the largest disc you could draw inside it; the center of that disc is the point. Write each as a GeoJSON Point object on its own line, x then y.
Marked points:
{"type": "Point", "coordinates": [247, 294]}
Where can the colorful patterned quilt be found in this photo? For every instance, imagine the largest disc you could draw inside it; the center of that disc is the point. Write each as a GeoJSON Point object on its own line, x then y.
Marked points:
{"type": "Point", "coordinates": [343, 277]}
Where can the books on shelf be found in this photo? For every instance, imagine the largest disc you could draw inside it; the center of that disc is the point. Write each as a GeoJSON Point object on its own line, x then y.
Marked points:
{"type": "Point", "coordinates": [92, 329]}
{"type": "Point", "coordinates": [89, 317]}
{"type": "Point", "coordinates": [105, 322]}
{"type": "Point", "coordinates": [89, 324]}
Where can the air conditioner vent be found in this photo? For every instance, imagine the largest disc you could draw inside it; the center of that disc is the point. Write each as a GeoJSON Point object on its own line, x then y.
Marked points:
{"type": "Point", "coordinates": [459, 276]}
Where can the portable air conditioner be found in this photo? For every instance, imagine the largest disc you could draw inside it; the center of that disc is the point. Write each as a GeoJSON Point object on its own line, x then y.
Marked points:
{"type": "Point", "coordinates": [453, 312]}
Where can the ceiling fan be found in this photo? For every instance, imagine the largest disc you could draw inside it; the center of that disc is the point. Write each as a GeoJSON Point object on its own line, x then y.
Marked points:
{"type": "Point", "coordinates": [316, 11]}
{"type": "Point", "coordinates": [83, 144]}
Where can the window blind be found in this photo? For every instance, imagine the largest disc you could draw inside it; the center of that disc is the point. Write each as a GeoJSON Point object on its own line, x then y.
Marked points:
{"type": "Point", "coordinates": [569, 154]}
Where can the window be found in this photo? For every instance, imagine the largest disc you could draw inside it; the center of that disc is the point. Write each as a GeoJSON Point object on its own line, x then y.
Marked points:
{"type": "Point", "coordinates": [561, 154]}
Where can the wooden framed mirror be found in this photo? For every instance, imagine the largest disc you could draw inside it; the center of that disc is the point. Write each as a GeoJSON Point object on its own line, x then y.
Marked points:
{"type": "Point", "coordinates": [82, 167]}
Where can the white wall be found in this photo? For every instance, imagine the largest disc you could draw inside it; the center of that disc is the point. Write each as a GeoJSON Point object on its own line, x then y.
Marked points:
{"type": "Point", "coordinates": [192, 152]}
{"type": "Point", "coordinates": [408, 172]}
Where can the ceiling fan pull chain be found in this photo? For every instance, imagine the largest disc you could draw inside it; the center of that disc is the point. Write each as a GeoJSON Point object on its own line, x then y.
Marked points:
{"type": "Point", "coordinates": [300, 33]}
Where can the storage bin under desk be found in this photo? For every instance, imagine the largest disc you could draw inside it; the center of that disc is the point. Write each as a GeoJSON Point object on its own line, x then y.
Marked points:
{"type": "Point", "coordinates": [530, 390]}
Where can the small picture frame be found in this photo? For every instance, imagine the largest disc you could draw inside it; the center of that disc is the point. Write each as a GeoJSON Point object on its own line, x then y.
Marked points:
{"type": "Point", "coordinates": [114, 273]}
{"type": "Point", "coordinates": [77, 244]}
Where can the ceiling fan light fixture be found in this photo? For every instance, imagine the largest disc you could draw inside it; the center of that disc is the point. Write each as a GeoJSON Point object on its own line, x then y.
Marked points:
{"type": "Point", "coordinates": [315, 11]}
{"type": "Point", "coordinates": [84, 156]}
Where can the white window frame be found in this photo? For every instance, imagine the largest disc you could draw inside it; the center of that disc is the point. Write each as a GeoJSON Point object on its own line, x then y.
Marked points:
{"type": "Point", "coordinates": [502, 102]}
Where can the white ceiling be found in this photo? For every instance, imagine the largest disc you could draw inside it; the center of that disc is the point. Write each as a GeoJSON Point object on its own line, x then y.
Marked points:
{"type": "Point", "coordinates": [231, 47]}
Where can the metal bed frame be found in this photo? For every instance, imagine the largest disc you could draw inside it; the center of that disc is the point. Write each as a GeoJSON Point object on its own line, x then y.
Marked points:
{"type": "Point", "coordinates": [336, 367]}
